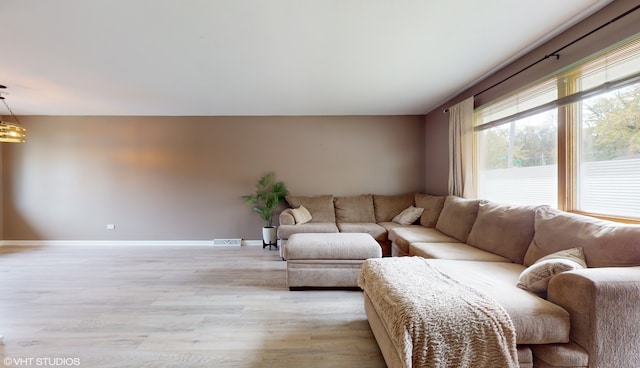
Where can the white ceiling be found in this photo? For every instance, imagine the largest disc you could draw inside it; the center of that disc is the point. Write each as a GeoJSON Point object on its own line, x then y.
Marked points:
{"type": "Point", "coordinates": [262, 57]}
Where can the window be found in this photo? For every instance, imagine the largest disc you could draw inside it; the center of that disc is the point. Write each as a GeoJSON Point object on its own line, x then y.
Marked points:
{"type": "Point", "coordinates": [608, 167]}
{"type": "Point", "coordinates": [592, 112]}
{"type": "Point", "coordinates": [517, 156]}
{"type": "Point", "coordinates": [519, 161]}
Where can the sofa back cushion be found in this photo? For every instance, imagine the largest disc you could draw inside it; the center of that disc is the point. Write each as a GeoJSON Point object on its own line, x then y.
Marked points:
{"type": "Point", "coordinates": [502, 229]}
{"type": "Point", "coordinates": [355, 209]}
{"type": "Point", "coordinates": [386, 207]}
{"type": "Point", "coordinates": [605, 243]}
{"type": "Point", "coordinates": [432, 207]}
{"type": "Point", "coordinates": [457, 217]}
{"type": "Point", "coordinates": [320, 207]}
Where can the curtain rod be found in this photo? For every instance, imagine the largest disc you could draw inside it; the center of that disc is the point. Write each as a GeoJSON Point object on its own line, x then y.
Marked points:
{"type": "Point", "coordinates": [556, 53]}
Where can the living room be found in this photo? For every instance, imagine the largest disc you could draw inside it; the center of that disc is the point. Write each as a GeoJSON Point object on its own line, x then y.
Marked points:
{"type": "Point", "coordinates": [147, 172]}
{"type": "Point", "coordinates": [158, 178]}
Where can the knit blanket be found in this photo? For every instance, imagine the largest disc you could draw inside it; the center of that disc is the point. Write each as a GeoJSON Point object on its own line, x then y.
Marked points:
{"type": "Point", "coordinates": [434, 320]}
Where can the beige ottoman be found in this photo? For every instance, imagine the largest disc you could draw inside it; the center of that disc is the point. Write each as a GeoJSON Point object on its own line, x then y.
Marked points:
{"type": "Point", "coordinates": [327, 260]}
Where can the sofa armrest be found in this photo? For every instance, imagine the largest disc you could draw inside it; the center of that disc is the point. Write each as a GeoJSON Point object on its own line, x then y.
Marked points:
{"type": "Point", "coordinates": [286, 217]}
{"type": "Point", "coordinates": [604, 308]}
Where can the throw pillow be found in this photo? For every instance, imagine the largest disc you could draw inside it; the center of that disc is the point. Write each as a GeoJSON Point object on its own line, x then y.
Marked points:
{"type": "Point", "coordinates": [536, 277]}
{"type": "Point", "coordinates": [408, 216]}
{"type": "Point", "coordinates": [301, 215]}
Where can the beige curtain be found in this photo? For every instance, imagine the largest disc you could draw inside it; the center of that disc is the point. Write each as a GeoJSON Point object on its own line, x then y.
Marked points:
{"type": "Point", "coordinates": [461, 147]}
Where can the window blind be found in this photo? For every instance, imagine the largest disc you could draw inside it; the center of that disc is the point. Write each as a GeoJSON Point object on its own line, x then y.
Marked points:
{"type": "Point", "coordinates": [615, 68]}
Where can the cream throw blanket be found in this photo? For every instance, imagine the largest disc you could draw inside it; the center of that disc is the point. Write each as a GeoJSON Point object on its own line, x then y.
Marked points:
{"type": "Point", "coordinates": [435, 321]}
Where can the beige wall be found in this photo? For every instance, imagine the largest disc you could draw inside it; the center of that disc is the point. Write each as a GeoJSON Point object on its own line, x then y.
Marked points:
{"type": "Point", "coordinates": [436, 130]}
{"type": "Point", "coordinates": [437, 154]}
{"type": "Point", "coordinates": [181, 178]}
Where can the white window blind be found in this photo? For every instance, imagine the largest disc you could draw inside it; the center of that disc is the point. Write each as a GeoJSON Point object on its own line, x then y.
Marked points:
{"type": "Point", "coordinates": [523, 103]}
{"type": "Point", "coordinates": [616, 68]}
{"type": "Point", "coordinates": [618, 64]}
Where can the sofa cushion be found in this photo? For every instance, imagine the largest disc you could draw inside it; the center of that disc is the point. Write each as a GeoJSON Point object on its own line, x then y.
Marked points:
{"type": "Point", "coordinates": [535, 278]}
{"type": "Point", "coordinates": [320, 207]}
{"type": "Point", "coordinates": [605, 243]}
{"type": "Point", "coordinates": [301, 215]}
{"type": "Point", "coordinates": [457, 217]}
{"type": "Point", "coordinates": [386, 207]}
{"type": "Point", "coordinates": [432, 207]}
{"type": "Point", "coordinates": [561, 355]}
{"type": "Point", "coordinates": [285, 231]}
{"type": "Point", "coordinates": [355, 208]}
{"type": "Point", "coordinates": [393, 225]}
{"type": "Point", "coordinates": [536, 320]}
{"type": "Point", "coordinates": [378, 232]}
{"type": "Point", "coordinates": [403, 236]}
{"type": "Point", "coordinates": [503, 229]}
{"type": "Point", "coordinates": [408, 216]}
{"type": "Point", "coordinates": [459, 251]}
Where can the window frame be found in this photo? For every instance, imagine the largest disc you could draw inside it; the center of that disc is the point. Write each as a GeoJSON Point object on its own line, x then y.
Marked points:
{"type": "Point", "coordinates": [568, 145]}
{"type": "Point", "coordinates": [571, 138]}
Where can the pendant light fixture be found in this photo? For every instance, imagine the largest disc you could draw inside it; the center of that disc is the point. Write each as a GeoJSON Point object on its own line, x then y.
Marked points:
{"type": "Point", "coordinates": [10, 132]}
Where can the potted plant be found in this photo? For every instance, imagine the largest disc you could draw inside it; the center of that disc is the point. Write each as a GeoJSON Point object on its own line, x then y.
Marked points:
{"type": "Point", "coordinates": [264, 202]}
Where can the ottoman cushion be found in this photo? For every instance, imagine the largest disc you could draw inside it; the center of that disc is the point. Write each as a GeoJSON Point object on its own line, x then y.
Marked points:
{"type": "Point", "coordinates": [285, 231]}
{"type": "Point", "coordinates": [341, 246]}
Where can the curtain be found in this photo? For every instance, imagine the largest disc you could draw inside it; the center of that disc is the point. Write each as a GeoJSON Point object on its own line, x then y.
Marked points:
{"type": "Point", "coordinates": [461, 146]}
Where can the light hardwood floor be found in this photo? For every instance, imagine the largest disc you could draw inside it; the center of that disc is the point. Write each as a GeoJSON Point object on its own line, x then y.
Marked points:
{"type": "Point", "coordinates": [173, 307]}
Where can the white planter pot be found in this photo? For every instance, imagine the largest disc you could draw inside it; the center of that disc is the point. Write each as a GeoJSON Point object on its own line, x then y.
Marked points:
{"type": "Point", "coordinates": [269, 235]}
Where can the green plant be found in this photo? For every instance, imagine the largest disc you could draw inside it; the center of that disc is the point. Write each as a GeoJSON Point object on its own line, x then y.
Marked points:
{"type": "Point", "coordinates": [267, 197]}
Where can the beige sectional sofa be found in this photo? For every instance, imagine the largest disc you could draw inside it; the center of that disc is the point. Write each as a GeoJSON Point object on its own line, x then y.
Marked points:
{"type": "Point", "coordinates": [368, 213]}
{"type": "Point", "coordinates": [586, 317]}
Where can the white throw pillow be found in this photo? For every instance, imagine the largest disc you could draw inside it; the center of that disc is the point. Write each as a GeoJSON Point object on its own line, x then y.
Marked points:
{"type": "Point", "coordinates": [408, 216]}
{"type": "Point", "coordinates": [536, 277]}
{"type": "Point", "coordinates": [301, 215]}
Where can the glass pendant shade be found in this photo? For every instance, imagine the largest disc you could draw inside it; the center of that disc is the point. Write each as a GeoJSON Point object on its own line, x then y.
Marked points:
{"type": "Point", "coordinates": [12, 133]}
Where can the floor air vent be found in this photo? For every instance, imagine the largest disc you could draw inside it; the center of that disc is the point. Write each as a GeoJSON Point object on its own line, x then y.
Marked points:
{"type": "Point", "coordinates": [234, 242]}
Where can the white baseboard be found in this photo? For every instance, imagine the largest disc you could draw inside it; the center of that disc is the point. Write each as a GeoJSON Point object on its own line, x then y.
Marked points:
{"type": "Point", "coordinates": [109, 243]}
{"type": "Point", "coordinates": [252, 242]}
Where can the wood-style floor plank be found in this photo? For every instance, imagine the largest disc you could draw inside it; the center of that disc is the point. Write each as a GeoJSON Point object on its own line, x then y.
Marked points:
{"type": "Point", "coordinates": [173, 307]}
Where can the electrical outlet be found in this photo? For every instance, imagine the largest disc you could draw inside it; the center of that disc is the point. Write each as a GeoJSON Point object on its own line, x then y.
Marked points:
{"type": "Point", "coordinates": [111, 226]}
